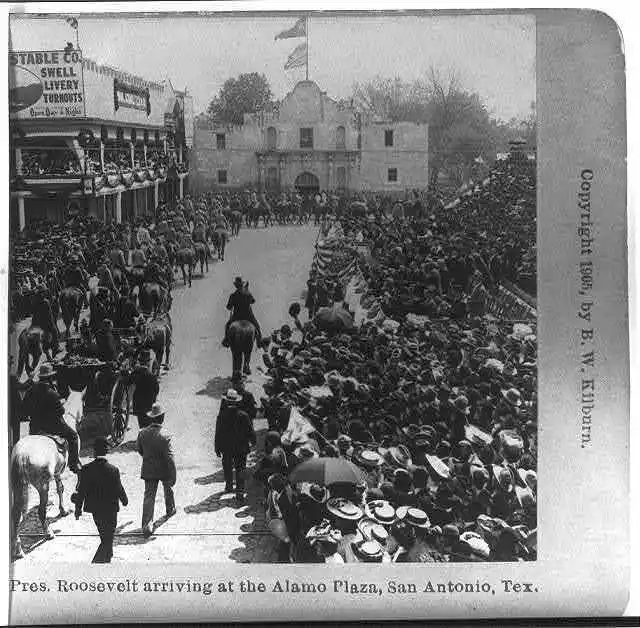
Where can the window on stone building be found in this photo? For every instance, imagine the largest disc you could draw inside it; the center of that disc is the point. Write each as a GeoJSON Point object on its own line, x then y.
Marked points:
{"type": "Point", "coordinates": [306, 138]}
{"type": "Point", "coordinates": [341, 178]}
{"type": "Point", "coordinates": [388, 137]}
{"type": "Point", "coordinates": [221, 141]}
{"type": "Point", "coordinates": [272, 178]}
{"type": "Point", "coordinates": [222, 177]}
{"type": "Point", "coordinates": [340, 137]}
{"type": "Point", "coordinates": [272, 137]}
{"type": "Point", "coordinates": [392, 175]}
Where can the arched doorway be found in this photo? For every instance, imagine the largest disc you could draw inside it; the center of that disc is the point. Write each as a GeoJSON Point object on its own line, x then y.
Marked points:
{"type": "Point", "coordinates": [307, 183]}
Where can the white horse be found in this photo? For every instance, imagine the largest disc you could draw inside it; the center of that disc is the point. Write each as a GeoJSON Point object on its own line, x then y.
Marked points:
{"type": "Point", "coordinates": [36, 461]}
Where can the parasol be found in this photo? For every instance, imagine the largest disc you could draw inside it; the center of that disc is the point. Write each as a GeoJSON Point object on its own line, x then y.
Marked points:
{"type": "Point", "coordinates": [325, 471]}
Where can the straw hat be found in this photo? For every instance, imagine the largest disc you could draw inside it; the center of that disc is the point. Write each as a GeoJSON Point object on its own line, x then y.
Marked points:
{"type": "Point", "coordinates": [344, 509]}
{"type": "Point", "coordinates": [157, 411]}
{"type": "Point", "coordinates": [324, 531]}
{"type": "Point", "coordinates": [398, 456]}
{"type": "Point", "coordinates": [476, 544]}
{"type": "Point", "coordinates": [438, 466]}
{"type": "Point", "coordinates": [368, 458]}
{"type": "Point", "coordinates": [414, 516]}
{"type": "Point", "coordinates": [232, 395]}
{"type": "Point", "coordinates": [381, 511]}
{"type": "Point", "coordinates": [368, 551]}
{"type": "Point", "coordinates": [512, 396]}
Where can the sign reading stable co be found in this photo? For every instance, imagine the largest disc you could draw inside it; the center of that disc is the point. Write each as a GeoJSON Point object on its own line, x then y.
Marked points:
{"type": "Point", "coordinates": [46, 84]}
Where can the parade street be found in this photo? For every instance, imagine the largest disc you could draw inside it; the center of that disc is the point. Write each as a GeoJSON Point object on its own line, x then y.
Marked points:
{"type": "Point", "coordinates": [209, 526]}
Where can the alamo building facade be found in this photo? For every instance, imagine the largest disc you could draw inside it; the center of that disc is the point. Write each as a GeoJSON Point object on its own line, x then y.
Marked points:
{"type": "Point", "coordinates": [310, 142]}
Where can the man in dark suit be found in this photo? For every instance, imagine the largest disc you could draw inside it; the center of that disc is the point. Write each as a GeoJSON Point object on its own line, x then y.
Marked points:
{"type": "Point", "coordinates": [100, 491]}
{"type": "Point", "coordinates": [146, 388]}
{"type": "Point", "coordinates": [233, 439]}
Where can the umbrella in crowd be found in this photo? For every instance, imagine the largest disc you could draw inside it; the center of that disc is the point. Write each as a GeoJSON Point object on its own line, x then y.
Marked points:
{"type": "Point", "coordinates": [326, 471]}
{"type": "Point", "coordinates": [432, 396]}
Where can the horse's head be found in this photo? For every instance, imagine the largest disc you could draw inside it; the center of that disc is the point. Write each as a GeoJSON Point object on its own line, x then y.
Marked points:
{"type": "Point", "coordinates": [74, 408]}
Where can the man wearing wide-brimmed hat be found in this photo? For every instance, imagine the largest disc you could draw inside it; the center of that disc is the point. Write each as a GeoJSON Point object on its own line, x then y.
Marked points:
{"type": "Point", "coordinates": [43, 405]}
{"type": "Point", "coordinates": [158, 465]}
{"type": "Point", "coordinates": [239, 304]}
{"type": "Point", "coordinates": [233, 439]}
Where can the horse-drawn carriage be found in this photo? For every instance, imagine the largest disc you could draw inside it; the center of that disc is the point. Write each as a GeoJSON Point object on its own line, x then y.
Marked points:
{"type": "Point", "coordinates": [109, 385]}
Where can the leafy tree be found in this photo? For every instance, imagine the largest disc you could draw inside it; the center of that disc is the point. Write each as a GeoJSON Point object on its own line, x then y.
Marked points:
{"type": "Point", "coordinates": [247, 93]}
{"type": "Point", "coordinates": [460, 126]}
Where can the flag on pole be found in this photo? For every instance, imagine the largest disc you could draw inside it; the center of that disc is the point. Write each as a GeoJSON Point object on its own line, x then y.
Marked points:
{"type": "Point", "coordinates": [297, 58]}
{"type": "Point", "coordinates": [72, 21]}
{"type": "Point", "coordinates": [299, 29]}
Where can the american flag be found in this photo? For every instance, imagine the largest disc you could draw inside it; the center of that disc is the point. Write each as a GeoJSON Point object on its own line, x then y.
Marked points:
{"type": "Point", "coordinates": [73, 22]}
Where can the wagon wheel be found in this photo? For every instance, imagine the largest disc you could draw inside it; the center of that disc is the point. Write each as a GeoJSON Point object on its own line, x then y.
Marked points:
{"type": "Point", "coordinates": [120, 409]}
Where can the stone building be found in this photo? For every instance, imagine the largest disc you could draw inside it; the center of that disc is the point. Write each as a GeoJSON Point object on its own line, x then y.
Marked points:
{"type": "Point", "coordinates": [309, 141]}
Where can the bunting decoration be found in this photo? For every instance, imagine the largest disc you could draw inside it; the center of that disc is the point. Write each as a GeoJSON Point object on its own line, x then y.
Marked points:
{"type": "Point", "coordinates": [298, 58]}
{"type": "Point", "coordinates": [299, 29]}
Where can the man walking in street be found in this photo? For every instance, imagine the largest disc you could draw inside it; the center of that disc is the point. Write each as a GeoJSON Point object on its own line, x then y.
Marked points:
{"type": "Point", "coordinates": [158, 465]}
{"type": "Point", "coordinates": [146, 387]}
{"type": "Point", "coordinates": [233, 440]}
{"type": "Point", "coordinates": [100, 491]}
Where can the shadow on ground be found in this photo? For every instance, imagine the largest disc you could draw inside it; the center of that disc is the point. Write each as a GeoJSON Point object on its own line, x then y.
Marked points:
{"type": "Point", "coordinates": [31, 533]}
{"type": "Point", "coordinates": [216, 387]}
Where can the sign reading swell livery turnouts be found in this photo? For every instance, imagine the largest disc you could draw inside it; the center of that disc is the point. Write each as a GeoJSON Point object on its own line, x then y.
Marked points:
{"type": "Point", "coordinates": [46, 84]}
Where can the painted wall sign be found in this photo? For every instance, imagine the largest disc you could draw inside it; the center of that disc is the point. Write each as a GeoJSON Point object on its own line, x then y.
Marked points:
{"type": "Point", "coordinates": [130, 97]}
{"type": "Point", "coordinates": [46, 84]}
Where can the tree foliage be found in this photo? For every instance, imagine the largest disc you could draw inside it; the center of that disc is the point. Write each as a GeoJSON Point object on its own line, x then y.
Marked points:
{"type": "Point", "coordinates": [247, 93]}
{"type": "Point", "coordinates": [461, 128]}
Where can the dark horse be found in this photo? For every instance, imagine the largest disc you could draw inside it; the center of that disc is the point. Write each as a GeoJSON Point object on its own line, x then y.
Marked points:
{"type": "Point", "coordinates": [154, 298]}
{"type": "Point", "coordinates": [241, 337]}
{"type": "Point", "coordinates": [136, 279]}
{"type": "Point", "coordinates": [71, 302]}
{"type": "Point", "coordinates": [202, 254]}
{"type": "Point", "coordinates": [220, 242]}
{"type": "Point", "coordinates": [186, 258]}
{"type": "Point", "coordinates": [155, 334]}
{"type": "Point", "coordinates": [32, 343]}
{"type": "Point", "coordinates": [236, 222]}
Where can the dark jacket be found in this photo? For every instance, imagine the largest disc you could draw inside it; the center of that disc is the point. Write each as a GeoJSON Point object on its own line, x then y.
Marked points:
{"type": "Point", "coordinates": [240, 303]}
{"type": "Point", "coordinates": [158, 462]}
{"type": "Point", "coordinates": [234, 430]}
{"type": "Point", "coordinates": [43, 405]}
{"type": "Point", "coordinates": [145, 391]}
{"type": "Point", "coordinates": [248, 404]}
{"type": "Point", "coordinates": [100, 489]}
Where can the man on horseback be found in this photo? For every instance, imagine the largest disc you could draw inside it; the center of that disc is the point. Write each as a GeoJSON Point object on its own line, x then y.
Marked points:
{"type": "Point", "coordinates": [43, 406]}
{"type": "Point", "coordinates": [43, 317]}
{"type": "Point", "coordinates": [75, 276]}
{"type": "Point", "coordinates": [239, 304]}
{"type": "Point", "coordinates": [116, 257]}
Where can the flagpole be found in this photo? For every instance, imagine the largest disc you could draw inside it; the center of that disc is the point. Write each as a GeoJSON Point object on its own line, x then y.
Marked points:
{"type": "Point", "coordinates": [306, 32]}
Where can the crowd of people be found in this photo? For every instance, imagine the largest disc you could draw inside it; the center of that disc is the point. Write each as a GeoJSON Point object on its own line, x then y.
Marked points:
{"type": "Point", "coordinates": [65, 163]}
{"type": "Point", "coordinates": [403, 373]}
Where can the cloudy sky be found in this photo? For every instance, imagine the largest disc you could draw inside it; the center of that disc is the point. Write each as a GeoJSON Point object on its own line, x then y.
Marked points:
{"type": "Point", "coordinates": [492, 54]}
